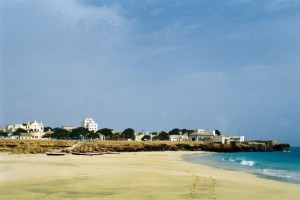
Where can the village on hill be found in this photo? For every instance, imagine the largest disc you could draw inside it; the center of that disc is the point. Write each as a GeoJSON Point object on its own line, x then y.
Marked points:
{"type": "Point", "coordinates": [89, 130]}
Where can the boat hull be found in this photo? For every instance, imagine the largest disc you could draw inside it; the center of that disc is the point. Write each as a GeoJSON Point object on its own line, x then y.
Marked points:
{"type": "Point", "coordinates": [55, 154]}
{"type": "Point", "coordinates": [88, 153]}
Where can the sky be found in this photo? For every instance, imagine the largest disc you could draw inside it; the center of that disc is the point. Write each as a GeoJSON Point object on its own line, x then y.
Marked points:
{"type": "Point", "coordinates": [153, 65]}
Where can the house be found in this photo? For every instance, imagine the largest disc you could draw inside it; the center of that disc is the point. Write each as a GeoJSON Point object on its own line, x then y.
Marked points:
{"type": "Point", "coordinates": [68, 128]}
{"type": "Point", "coordinates": [34, 127]}
{"type": "Point", "coordinates": [183, 137]}
{"type": "Point", "coordinates": [139, 136]}
{"type": "Point", "coordinates": [90, 124]}
{"type": "Point", "coordinates": [227, 139]}
{"type": "Point", "coordinates": [25, 136]}
{"type": "Point", "coordinates": [202, 135]}
{"type": "Point", "coordinates": [12, 128]}
{"type": "Point", "coordinates": [101, 137]}
{"type": "Point", "coordinates": [37, 135]}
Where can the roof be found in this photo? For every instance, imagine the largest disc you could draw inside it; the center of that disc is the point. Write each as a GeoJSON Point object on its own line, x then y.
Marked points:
{"type": "Point", "coordinates": [205, 133]}
{"type": "Point", "coordinates": [68, 126]}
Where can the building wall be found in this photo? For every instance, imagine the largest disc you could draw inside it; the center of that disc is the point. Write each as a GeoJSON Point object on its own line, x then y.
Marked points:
{"type": "Point", "coordinates": [34, 127]}
{"type": "Point", "coordinates": [90, 124]}
{"type": "Point", "coordinates": [175, 137]}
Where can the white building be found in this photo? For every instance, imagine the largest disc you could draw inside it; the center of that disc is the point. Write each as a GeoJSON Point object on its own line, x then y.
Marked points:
{"type": "Point", "coordinates": [183, 137]}
{"type": "Point", "coordinates": [68, 128]}
{"type": "Point", "coordinates": [227, 139]}
{"type": "Point", "coordinates": [12, 128]}
{"type": "Point", "coordinates": [211, 136]}
{"type": "Point", "coordinates": [34, 128]}
{"type": "Point", "coordinates": [139, 136]}
{"type": "Point", "coordinates": [202, 135]}
{"type": "Point", "coordinates": [90, 124]}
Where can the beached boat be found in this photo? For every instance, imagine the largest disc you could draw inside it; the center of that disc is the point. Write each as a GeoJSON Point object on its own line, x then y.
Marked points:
{"type": "Point", "coordinates": [55, 153]}
{"type": "Point", "coordinates": [88, 153]}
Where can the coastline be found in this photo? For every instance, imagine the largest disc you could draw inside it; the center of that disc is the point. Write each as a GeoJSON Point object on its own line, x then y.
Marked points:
{"type": "Point", "coordinates": [136, 175]}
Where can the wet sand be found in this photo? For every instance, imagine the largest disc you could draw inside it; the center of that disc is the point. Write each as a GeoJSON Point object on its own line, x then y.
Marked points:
{"type": "Point", "coordinates": [141, 175]}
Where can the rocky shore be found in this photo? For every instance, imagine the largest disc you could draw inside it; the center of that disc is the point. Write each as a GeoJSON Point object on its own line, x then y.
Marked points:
{"type": "Point", "coordinates": [42, 146]}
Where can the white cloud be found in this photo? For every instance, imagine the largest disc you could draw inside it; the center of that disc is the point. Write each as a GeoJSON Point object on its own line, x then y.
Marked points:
{"type": "Point", "coordinates": [89, 15]}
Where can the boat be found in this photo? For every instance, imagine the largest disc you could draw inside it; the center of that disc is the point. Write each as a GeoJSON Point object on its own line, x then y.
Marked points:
{"type": "Point", "coordinates": [55, 153]}
{"type": "Point", "coordinates": [87, 153]}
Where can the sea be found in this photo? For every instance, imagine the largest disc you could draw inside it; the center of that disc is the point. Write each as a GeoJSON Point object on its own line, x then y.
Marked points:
{"type": "Point", "coordinates": [280, 166]}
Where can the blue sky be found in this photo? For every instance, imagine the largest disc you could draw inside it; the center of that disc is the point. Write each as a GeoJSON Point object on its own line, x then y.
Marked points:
{"type": "Point", "coordinates": [154, 65]}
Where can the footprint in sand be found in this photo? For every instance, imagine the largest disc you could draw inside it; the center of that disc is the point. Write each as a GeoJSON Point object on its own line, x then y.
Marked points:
{"type": "Point", "coordinates": [202, 187]}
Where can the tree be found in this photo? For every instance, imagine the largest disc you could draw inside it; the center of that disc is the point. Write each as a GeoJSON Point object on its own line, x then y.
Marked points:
{"type": "Point", "coordinates": [60, 133]}
{"type": "Point", "coordinates": [128, 134]}
{"type": "Point", "coordinates": [188, 131]}
{"type": "Point", "coordinates": [106, 131]}
{"type": "Point", "coordinates": [217, 132]}
{"type": "Point", "coordinates": [116, 136]}
{"type": "Point", "coordinates": [79, 133]}
{"type": "Point", "coordinates": [47, 129]}
{"type": "Point", "coordinates": [146, 138]}
{"type": "Point", "coordinates": [19, 131]}
{"type": "Point", "coordinates": [93, 135]}
{"type": "Point", "coordinates": [3, 133]}
{"type": "Point", "coordinates": [47, 136]}
{"type": "Point", "coordinates": [163, 136]}
{"type": "Point", "coordinates": [175, 131]}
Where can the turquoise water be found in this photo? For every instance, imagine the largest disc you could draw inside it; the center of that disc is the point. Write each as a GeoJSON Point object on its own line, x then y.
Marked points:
{"type": "Point", "coordinates": [281, 166]}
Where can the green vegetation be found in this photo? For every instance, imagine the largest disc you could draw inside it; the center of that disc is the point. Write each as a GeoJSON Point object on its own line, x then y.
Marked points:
{"type": "Point", "coordinates": [106, 132]}
{"type": "Point", "coordinates": [128, 134]}
{"type": "Point", "coordinates": [19, 131]}
{"type": "Point", "coordinates": [3, 134]}
{"type": "Point", "coordinates": [146, 138]}
{"type": "Point", "coordinates": [163, 136]}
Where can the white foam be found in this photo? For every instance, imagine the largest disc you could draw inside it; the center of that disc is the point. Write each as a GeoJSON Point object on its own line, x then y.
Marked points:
{"type": "Point", "coordinates": [277, 173]}
{"type": "Point", "coordinates": [247, 163]}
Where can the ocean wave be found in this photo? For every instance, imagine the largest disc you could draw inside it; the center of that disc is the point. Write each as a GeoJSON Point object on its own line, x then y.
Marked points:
{"type": "Point", "coordinates": [277, 173]}
{"type": "Point", "coordinates": [228, 159]}
{"type": "Point", "coordinates": [247, 162]}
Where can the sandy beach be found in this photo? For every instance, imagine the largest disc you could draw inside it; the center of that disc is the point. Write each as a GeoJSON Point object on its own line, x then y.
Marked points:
{"type": "Point", "coordinates": [141, 175]}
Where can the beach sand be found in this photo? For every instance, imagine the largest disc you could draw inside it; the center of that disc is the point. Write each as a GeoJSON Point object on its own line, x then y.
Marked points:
{"type": "Point", "coordinates": [140, 175]}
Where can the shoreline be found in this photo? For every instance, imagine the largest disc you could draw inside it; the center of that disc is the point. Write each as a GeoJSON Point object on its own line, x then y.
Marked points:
{"type": "Point", "coordinates": [136, 175]}
{"type": "Point", "coordinates": [195, 159]}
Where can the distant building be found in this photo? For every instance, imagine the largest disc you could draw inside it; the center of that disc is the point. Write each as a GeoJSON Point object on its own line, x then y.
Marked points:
{"type": "Point", "coordinates": [25, 136]}
{"type": "Point", "coordinates": [202, 135]}
{"type": "Point", "coordinates": [34, 128]}
{"type": "Point", "coordinates": [101, 137]}
{"type": "Point", "coordinates": [183, 137]}
{"type": "Point", "coordinates": [139, 136]}
{"type": "Point", "coordinates": [90, 124]}
{"type": "Point", "coordinates": [227, 139]}
{"type": "Point", "coordinates": [12, 128]}
{"type": "Point", "coordinates": [68, 128]}
{"type": "Point", "coordinates": [211, 136]}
